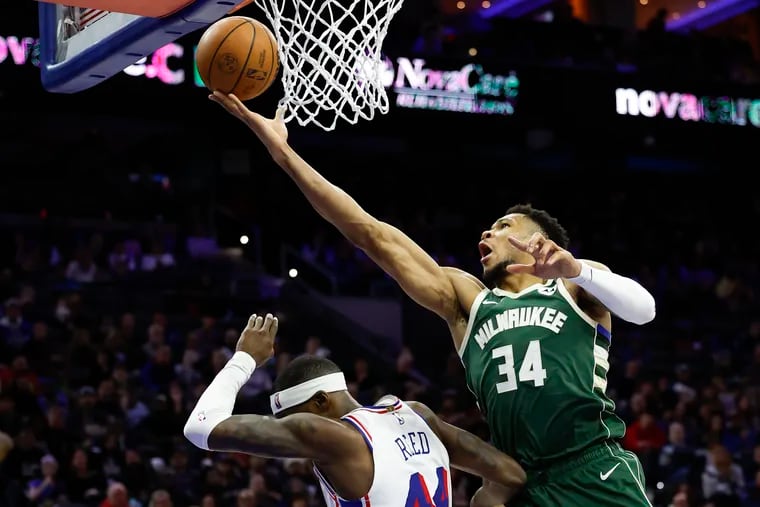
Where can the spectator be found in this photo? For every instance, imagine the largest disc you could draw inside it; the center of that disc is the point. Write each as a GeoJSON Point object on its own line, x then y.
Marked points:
{"type": "Point", "coordinates": [15, 331]}
{"type": "Point", "coordinates": [646, 439]}
{"type": "Point", "coordinates": [160, 498]}
{"type": "Point", "coordinates": [676, 457]}
{"type": "Point", "coordinates": [723, 480]}
{"type": "Point", "coordinates": [82, 268]}
{"type": "Point", "coordinates": [118, 496]}
{"type": "Point", "coordinates": [84, 482]}
{"type": "Point", "coordinates": [46, 488]}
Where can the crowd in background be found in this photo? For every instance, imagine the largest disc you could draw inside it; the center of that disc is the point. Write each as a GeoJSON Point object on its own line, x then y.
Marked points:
{"type": "Point", "coordinates": [107, 339]}
{"type": "Point", "coordinates": [93, 398]}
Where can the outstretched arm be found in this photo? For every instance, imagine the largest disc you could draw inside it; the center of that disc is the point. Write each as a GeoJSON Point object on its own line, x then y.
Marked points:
{"type": "Point", "coordinates": [469, 453]}
{"type": "Point", "coordinates": [415, 271]}
{"type": "Point", "coordinates": [298, 435]}
{"type": "Point", "coordinates": [393, 251]}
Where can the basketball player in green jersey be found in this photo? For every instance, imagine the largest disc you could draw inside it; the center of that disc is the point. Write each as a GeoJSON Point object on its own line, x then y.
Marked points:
{"type": "Point", "coordinates": [534, 336]}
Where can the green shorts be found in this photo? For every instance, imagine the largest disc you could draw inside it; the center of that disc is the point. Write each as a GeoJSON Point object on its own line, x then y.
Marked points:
{"type": "Point", "coordinates": [605, 475]}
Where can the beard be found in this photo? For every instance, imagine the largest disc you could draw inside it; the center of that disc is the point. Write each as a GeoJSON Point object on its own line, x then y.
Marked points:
{"type": "Point", "coordinates": [495, 274]}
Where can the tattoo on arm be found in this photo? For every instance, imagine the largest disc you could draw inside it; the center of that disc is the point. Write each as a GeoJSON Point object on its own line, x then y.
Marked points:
{"type": "Point", "coordinates": [472, 448]}
{"type": "Point", "coordinates": [291, 436]}
{"type": "Point", "coordinates": [471, 454]}
{"type": "Point", "coordinates": [476, 456]}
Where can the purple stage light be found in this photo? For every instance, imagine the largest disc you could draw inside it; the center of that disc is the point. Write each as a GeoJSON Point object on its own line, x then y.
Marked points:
{"type": "Point", "coordinates": [512, 8]}
{"type": "Point", "coordinates": [715, 12]}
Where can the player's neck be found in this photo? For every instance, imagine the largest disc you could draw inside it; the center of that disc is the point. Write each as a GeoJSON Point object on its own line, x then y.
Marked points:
{"type": "Point", "coordinates": [518, 282]}
{"type": "Point", "coordinates": [346, 404]}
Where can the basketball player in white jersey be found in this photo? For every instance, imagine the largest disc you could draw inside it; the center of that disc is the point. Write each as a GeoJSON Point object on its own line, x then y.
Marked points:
{"type": "Point", "coordinates": [392, 454]}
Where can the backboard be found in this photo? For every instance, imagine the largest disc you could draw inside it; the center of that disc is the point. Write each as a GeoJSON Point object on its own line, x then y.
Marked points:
{"type": "Point", "coordinates": [81, 46]}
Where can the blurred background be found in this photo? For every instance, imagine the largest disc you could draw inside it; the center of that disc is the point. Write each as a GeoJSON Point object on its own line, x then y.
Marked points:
{"type": "Point", "coordinates": [141, 225]}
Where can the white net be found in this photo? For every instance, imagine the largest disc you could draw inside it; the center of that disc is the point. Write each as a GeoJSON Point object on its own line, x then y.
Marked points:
{"type": "Point", "coordinates": [330, 56]}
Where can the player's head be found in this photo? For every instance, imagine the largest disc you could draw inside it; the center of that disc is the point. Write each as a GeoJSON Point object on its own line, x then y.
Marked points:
{"type": "Point", "coordinates": [522, 221]}
{"type": "Point", "coordinates": [310, 384]}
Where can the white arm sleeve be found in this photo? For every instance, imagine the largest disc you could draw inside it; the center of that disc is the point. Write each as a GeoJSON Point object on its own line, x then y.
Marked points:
{"type": "Point", "coordinates": [622, 296]}
{"type": "Point", "coordinates": [217, 401]}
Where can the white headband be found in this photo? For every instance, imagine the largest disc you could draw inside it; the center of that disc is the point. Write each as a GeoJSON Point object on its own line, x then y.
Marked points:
{"type": "Point", "coordinates": [292, 396]}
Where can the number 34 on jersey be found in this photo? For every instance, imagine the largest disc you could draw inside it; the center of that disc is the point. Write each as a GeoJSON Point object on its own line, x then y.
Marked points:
{"type": "Point", "coordinates": [531, 369]}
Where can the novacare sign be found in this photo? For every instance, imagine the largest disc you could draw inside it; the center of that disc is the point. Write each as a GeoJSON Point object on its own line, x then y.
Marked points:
{"type": "Point", "coordinates": [469, 89]}
{"type": "Point", "coordinates": [688, 107]}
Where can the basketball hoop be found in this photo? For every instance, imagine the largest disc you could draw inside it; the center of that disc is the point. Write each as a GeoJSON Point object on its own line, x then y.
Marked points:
{"type": "Point", "coordinates": [330, 58]}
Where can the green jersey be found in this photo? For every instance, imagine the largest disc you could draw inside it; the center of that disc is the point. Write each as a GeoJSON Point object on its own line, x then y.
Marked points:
{"type": "Point", "coordinates": [537, 365]}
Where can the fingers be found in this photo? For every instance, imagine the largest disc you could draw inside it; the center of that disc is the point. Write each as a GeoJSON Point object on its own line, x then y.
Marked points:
{"type": "Point", "coordinates": [255, 322]}
{"type": "Point", "coordinates": [239, 108]}
{"type": "Point", "coordinates": [274, 327]}
{"type": "Point", "coordinates": [545, 251]}
{"type": "Point", "coordinates": [220, 98]}
{"type": "Point", "coordinates": [236, 101]}
{"type": "Point", "coordinates": [535, 243]}
{"type": "Point", "coordinates": [269, 323]}
{"type": "Point", "coordinates": [522, 245]}
{"type": "Point", "coordinates": [235, 106]}
{"type": "Point", "coordinates": [229, 101]}
{"type": "Point", "coordinates": [538, 246]}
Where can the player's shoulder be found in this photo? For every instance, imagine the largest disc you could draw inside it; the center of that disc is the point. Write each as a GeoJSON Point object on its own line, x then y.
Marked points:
{"type": "Point", "coordinates": [425, 412]}
{"type": "Point", "coordinates": [419, 407]}
{"type": "Point", "coordinates": [456, 274]}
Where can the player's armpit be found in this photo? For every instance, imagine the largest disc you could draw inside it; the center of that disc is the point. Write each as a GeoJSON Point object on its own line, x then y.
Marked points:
{"type": "Point", "coordinates": [467, 288]}
{"type": "Point", "coordinates": [471, 454]}
{"type": "Point", "coordinates": [475, 285]}
{"type": "Point", "coordinates": [298, 435]}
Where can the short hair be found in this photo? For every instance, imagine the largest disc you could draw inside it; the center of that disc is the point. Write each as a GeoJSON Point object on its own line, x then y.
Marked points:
{"type": "Point", "coordinates": [303, 368]}
{"type": "Point", "coordinates": [548, 224]}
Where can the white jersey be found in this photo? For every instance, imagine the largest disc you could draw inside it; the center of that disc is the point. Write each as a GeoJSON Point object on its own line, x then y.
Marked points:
{"type": "Point", "coordinates": [411, 462]}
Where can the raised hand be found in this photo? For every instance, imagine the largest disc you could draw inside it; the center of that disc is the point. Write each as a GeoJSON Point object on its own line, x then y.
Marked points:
{"type": "Point", "coordinates": [272, 132]}
{"type": "Point", "coordinates": [549, 259]}
{"type": "Point", "coordinates": [257, 339]}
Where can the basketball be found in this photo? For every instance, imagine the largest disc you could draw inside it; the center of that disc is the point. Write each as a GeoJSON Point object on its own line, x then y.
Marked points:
{"type": "Point", "coordinates": [238, 55]}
